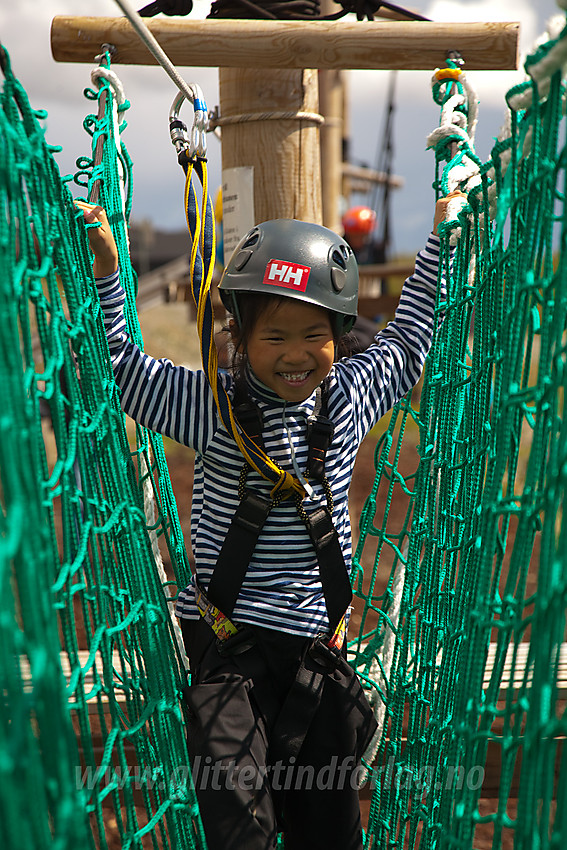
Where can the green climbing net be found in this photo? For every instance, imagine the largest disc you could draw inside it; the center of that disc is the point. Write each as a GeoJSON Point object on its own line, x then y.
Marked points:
{"type": "Point", "coordinates": [460, 645]}
{"type": "Point", "coordinates": [91, 731]}
{"type": "Point", "coordinates": [460, 570]}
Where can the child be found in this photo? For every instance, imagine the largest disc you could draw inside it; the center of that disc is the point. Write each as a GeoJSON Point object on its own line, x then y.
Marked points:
{"type": "Point", "coordinates": [277, 719]}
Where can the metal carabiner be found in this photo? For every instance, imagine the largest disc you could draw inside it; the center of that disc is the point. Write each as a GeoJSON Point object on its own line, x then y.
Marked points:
{"type": "Point", "coordinates": [194, 143]}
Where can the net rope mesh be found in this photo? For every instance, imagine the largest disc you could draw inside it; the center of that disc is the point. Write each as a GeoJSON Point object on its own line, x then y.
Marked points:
{"type": "Point", "coordinates": [460, 646]}
{"type": "Point", "coordinates": [460, 568]}
{"type": "Point", "coordinates": [92, 734]}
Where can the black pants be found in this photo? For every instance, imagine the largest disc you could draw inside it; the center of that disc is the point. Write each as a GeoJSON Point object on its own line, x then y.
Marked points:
{"type": "Point", "coordinates": [249, 784]}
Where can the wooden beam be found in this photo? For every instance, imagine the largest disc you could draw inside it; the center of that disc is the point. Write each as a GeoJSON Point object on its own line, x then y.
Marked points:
{"type": "Point", "coordinates": [370, 175]}
{"type": "Point", "coordinates": [409, 45]}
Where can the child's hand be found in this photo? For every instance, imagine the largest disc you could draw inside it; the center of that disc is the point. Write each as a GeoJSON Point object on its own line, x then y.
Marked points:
{"type": "Point", "coordinates": [441, 207]}
{"type": "Point", "coordinates": [101, 240]}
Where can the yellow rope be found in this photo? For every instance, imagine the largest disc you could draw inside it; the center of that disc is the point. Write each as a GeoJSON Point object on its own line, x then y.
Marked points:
{"type": "Point", "coordinates": [283, 482]}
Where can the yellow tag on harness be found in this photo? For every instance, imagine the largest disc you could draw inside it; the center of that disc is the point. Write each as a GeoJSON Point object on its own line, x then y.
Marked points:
{"type": "Point", "coordinates": [213, 616]}
{"type": "Point", "coordinates": [338, 638]}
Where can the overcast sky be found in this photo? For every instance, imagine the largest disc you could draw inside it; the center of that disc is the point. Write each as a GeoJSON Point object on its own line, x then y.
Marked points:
{"type": "Point", "coordinates": [158, 181]}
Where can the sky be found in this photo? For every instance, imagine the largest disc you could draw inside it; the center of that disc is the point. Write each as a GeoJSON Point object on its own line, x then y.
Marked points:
{"type": "Point", "coordinates": [158, 179]}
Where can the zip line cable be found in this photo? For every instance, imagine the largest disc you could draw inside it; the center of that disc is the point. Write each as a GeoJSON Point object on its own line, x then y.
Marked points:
{"type": "Point", "coordinates": [191, 91]}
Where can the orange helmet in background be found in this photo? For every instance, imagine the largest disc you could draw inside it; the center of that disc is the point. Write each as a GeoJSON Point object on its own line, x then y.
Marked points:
{"type": "Point", "coordinates": [359, 220]}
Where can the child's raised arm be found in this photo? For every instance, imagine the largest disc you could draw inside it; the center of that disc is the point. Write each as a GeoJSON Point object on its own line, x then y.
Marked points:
{"type": "Point", "coordinates": [101, 240]}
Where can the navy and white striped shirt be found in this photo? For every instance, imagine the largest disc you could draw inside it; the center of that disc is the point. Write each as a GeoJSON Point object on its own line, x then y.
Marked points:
{"type": "Point", "coordinates": [282, 588]}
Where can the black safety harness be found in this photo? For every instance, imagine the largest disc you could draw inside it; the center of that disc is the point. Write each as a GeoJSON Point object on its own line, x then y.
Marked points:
{"type": "Point", "coordinates": [217, 604]}
{"type": "Point", "coordinates": [323, 656]}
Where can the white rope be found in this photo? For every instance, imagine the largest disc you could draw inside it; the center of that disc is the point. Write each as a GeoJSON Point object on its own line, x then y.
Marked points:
{"type": "Point", "coordinates": [314, 117]}
{"type": "Point", "coordinates": [454, 122]}
{"type": "Point", "coordinates": [541, 73]}
{"type": "Point", "coordinates": [118, 97]}
{"type": "Point", "coordinates": [191, 91]}
{"type": "Point", "coordinates": [111, 78]}
{"type": "Point", "coordinates": [380, 673]}
{"type": "Point", "coordinates": [150, 514]}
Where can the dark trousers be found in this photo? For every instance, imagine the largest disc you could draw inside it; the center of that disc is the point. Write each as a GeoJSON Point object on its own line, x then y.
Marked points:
{"type": "Point", "coordinates": [254, 774]}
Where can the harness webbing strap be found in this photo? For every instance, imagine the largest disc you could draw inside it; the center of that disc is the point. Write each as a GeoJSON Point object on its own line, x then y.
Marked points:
{"type": "Point", "coordinates": [298, 711]}
{"type": "Point", "coordinates": [214, 617]}
{"type": "Point", "coordinates": [321, 432]}
{"type": "Point", "coordinates": [334, 577]}
{"type": "Point", "coordinates": [237, 550]}
{"type": "Point", "coordinates": [250, 419]}
{"type": "Point", "coordinates": [252, 512]}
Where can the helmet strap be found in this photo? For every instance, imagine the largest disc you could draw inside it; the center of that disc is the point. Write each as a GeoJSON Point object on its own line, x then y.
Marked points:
{"type": "Point", "coordinates": [340, 326]}
{"type": "Point", "coordinates": [235, 310]}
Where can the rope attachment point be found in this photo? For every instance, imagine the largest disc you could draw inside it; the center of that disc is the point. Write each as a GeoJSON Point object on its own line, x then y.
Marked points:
{"type": "Point", "coordinates": [187, 143]}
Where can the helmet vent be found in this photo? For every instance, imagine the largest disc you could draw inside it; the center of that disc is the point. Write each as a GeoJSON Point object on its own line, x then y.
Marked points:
{"type": "Point", "coordinates": [241, 259]}
{"type": "Point", "coordinates": [341, 255]}
{"type": "Point", "coordinates": [251, 239]}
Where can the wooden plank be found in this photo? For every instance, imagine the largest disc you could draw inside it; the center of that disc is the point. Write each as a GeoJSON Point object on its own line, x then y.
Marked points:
{"type": "Point", "coordinates": [379, 305]}
{"type": "Point", "coordinates": [513, 676]}
{"type": "Point", "coordinates": [371, 270]}
{"type": "Point", "coordinates": [93, 675]}
{"type": "Point", "coordinates": [371, 301]}
{"type": "Point", "coordinates": [492, 781]}
{"type": "Point", "coordinates": [491, 784]}
{"type": "Point", "coordinates": [402, 45]}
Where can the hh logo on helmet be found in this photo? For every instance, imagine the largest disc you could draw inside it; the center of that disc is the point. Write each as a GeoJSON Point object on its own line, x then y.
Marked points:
{"type": "Point", "coordinates": [290, 275]}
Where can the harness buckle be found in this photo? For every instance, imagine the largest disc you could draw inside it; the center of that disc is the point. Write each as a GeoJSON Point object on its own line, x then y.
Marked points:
{"type": "Point", "coordinates": [321, 425]}
{"type": "Point", "coordinates": [251, 420]}
{"type": "Point", "coordinates": [320, 527]}
{"type": "Point", "coordinates": [252, 511]}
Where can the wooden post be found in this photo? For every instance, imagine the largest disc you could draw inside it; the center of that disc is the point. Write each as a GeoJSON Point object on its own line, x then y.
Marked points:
{"type": "Point", "coordinates": [283, 149]}
{"type": "Point", "coordinates": [331, 105]}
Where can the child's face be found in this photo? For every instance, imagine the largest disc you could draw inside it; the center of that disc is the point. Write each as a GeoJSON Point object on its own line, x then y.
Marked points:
{"type": "Point", "coordinates": [291, 348]}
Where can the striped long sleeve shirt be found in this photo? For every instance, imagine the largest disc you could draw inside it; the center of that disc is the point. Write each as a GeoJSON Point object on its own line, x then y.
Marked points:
{"type": "Point", "coordinates": [282, 588]}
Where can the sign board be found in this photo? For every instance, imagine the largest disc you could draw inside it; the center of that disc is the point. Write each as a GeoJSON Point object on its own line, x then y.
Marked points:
{"type": "Point", "coordinates": [237, 206]}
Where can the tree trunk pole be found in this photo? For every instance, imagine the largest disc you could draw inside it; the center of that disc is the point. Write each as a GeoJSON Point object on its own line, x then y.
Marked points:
{"type": "Point", "coordinates": [269, 120]}
{"type": "Point", "coordinates": [331, 99]}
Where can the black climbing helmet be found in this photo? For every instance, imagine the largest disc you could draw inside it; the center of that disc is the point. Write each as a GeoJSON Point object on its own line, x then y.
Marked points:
{"type": "Point", "coordinates": [296, 259]}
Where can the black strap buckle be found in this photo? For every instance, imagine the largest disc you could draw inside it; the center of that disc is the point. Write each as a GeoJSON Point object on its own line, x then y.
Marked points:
{"type": "Point", "coordinates": [320, 527]}
{"type": "Point", "coordinates": [322, 427]}
{"type": "Point", "coordinates": [251, 420]}
{"type": "Point", "coordinates": [241, 641]}
{"type": "Point", "coordinates": [325, 655]}
{"type": "Point", "coordinates": [253, 511]}
{"type": "Point", "coordinates": [320, 431]}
